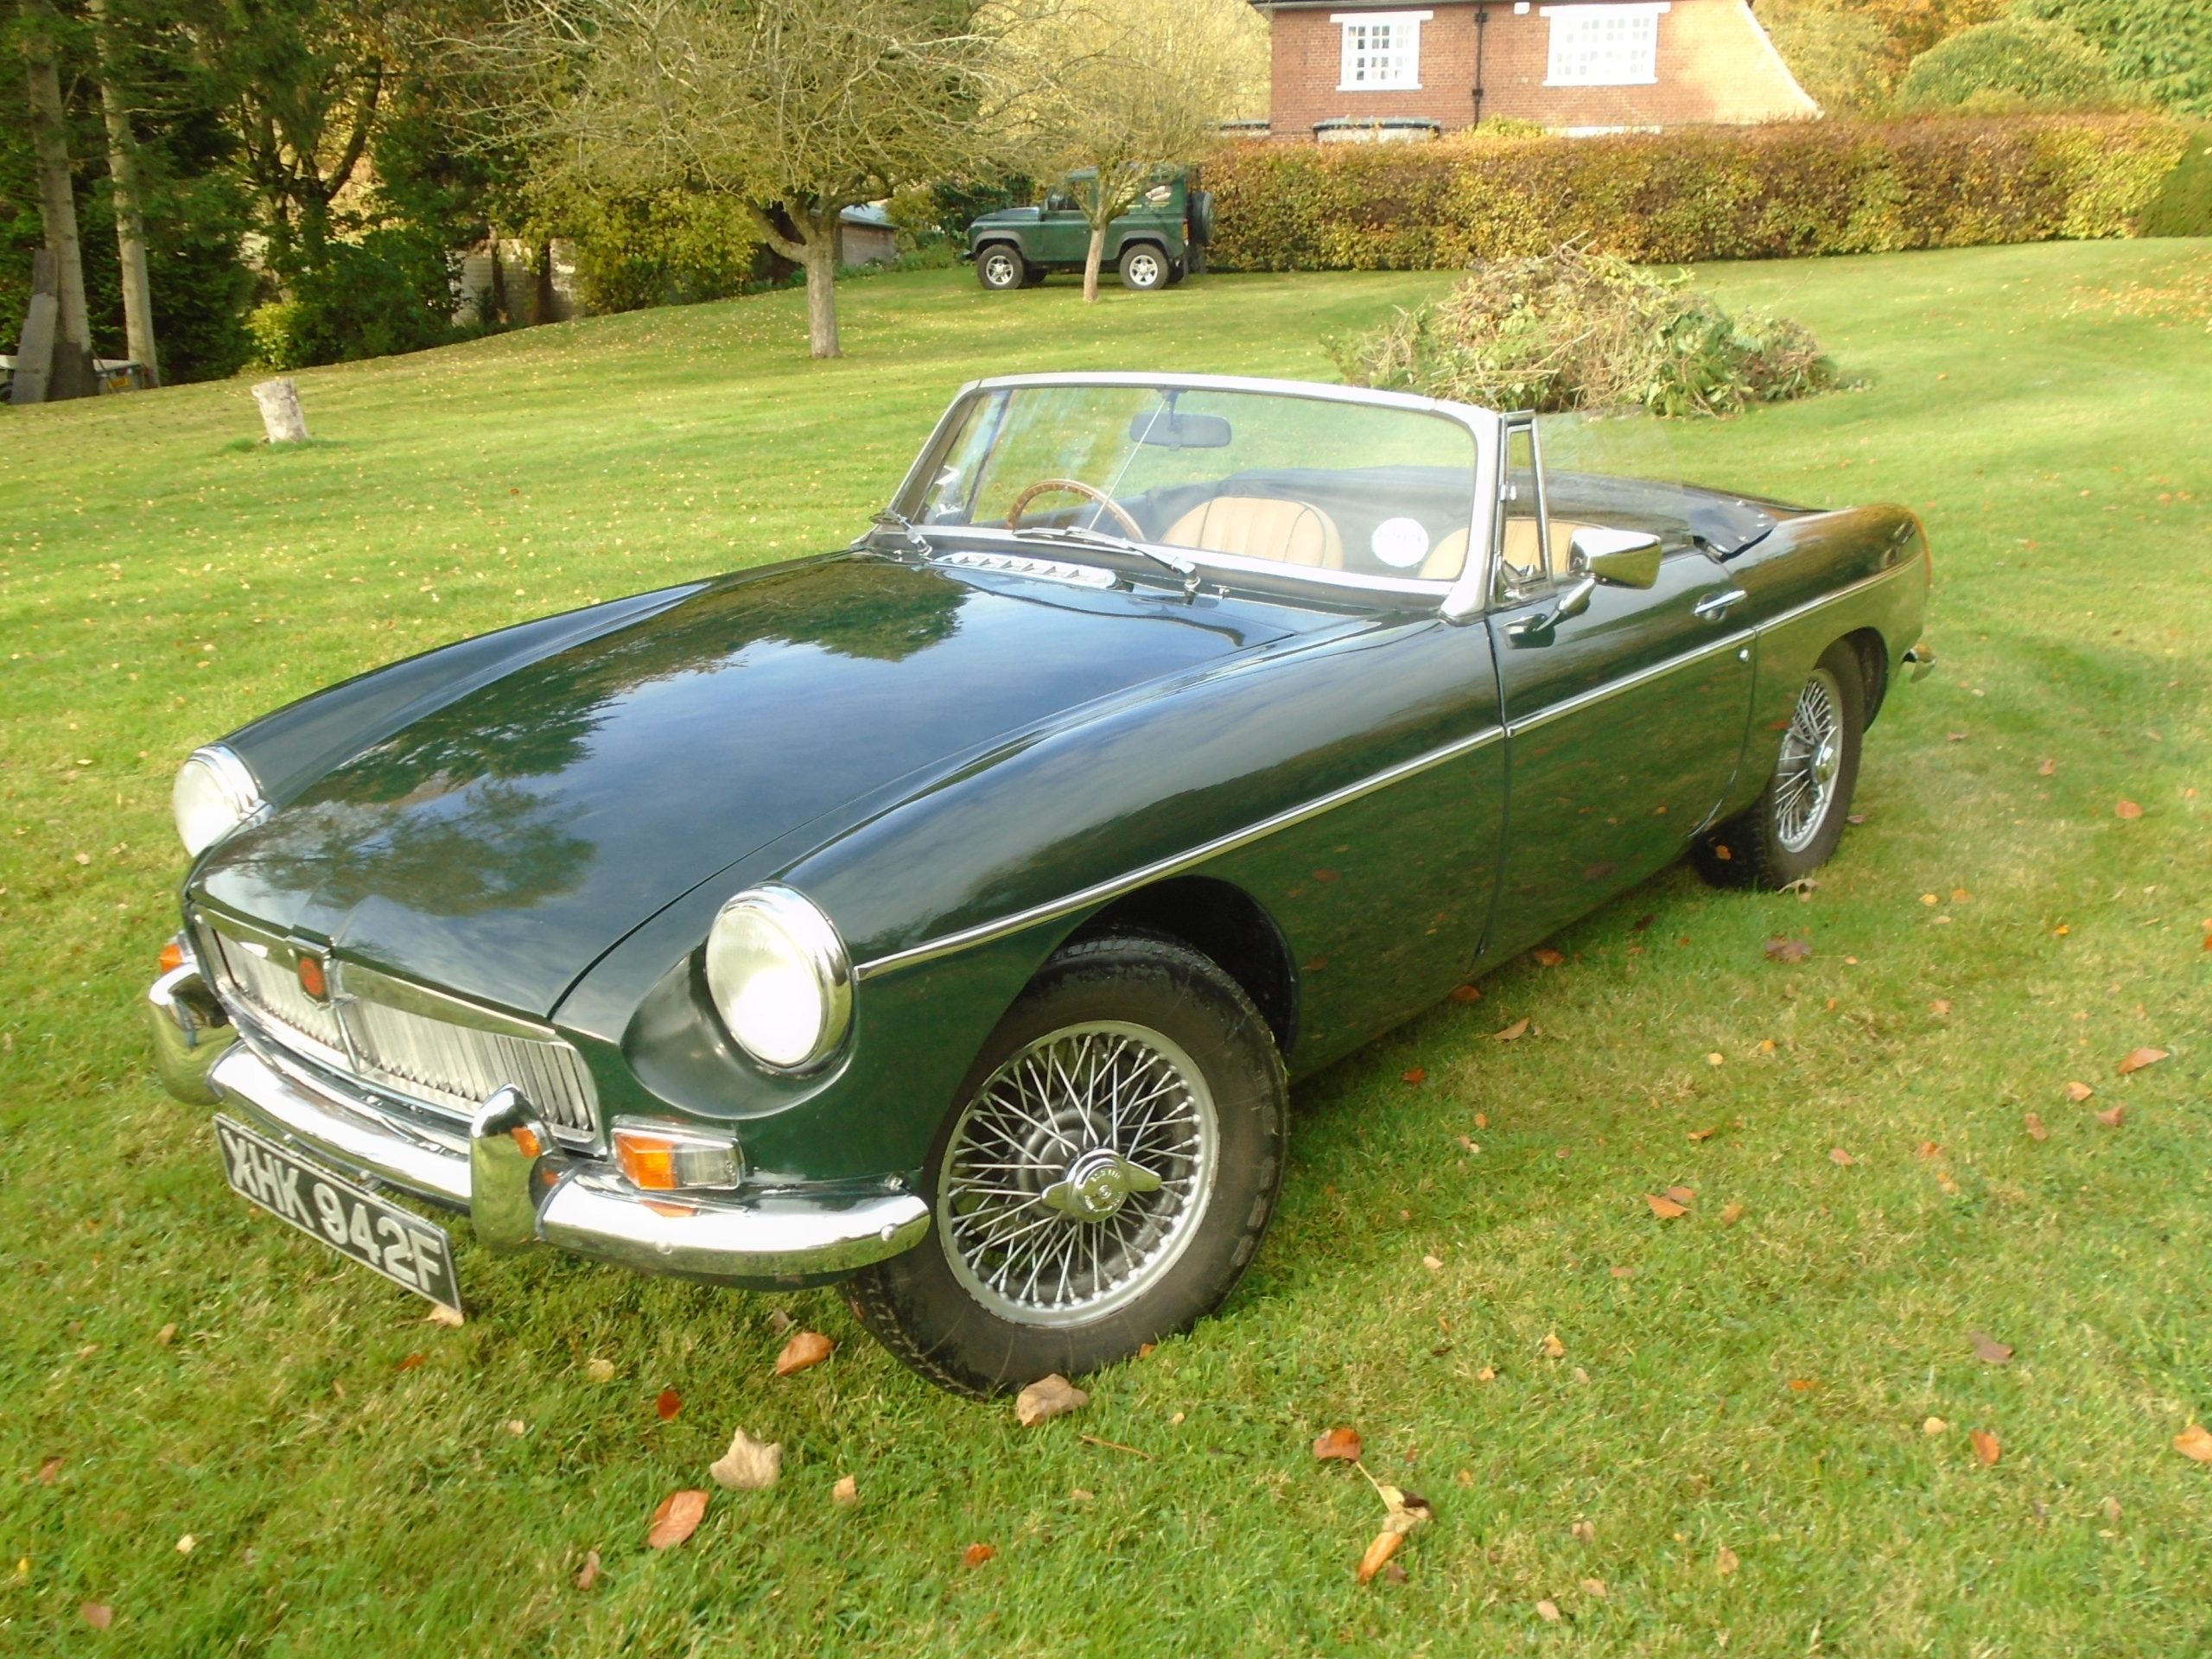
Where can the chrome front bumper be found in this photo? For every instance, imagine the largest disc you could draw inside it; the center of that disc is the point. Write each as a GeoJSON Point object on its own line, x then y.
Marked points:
{"type": "Point", "coordinates": [517, 1186]}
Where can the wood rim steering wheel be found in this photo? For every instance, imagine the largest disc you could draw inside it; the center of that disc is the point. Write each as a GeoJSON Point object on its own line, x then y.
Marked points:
{"type": "Point", "coordinates": [1074, 486]}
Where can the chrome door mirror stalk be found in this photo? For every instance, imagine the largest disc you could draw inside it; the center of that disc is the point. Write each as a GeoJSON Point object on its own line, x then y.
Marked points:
{"type": "Point", "coordinates": [1539, 627]}
{"type": "Point", "coordinates": [1619, 558]}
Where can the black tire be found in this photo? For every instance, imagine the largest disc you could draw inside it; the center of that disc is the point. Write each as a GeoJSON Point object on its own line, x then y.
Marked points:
{"type": "Point", "coordinates": [941, 1320]}
{"type": "Point", "coordinates": [1175, 272]}
{"type": "Point", "coordinates": [1201, 217]}
{"type": "Point", "coordinates": [1144, 268]}
{"type": "Point", "coordinates": [1000, 267]}
{"type": "Point", "coordinates": [1771, 844]}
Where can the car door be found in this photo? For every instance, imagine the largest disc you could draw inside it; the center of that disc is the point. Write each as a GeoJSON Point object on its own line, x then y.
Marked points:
{"type": "Point", "coordinates": [1624, 724]}
{"type": "Point", "coordinates": [1063, 232]}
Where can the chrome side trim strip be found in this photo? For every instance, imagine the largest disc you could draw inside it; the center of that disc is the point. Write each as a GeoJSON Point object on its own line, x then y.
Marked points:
{"type": "Point", "coordinates": [1642, 677]}
{"type": "Point", "coordinates": [983, 932]}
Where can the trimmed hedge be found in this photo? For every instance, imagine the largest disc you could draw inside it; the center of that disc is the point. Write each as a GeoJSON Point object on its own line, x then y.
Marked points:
{"type": "Point", "coordinates": [1780, 191]}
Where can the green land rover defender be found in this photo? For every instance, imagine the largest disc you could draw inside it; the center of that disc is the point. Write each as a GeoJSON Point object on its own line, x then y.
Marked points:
{"type": "Point", "coordinates": [1158, 241]}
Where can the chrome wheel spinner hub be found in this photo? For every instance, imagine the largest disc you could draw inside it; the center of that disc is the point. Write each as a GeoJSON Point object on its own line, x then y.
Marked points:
{"type": "Point", "coordinates": [1096, 1185]}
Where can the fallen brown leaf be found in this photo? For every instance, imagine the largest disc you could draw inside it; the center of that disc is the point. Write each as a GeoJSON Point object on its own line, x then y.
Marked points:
{"type": "Point", "coordinates": [1725, 1561]}
{"type": "Point", "coordinates": [1928, 1149]}
{"type": "Point", "coordinates": [805, 1349]}
{"type": "Point", "coordinates": [587, 1575]}
{"type": "Point", "coordinates": [2111, 1118]}
{"type": "Point", "coordinates": [1666, 1209]}
{"type": "Point", "coordinates": [1338, 1445]}
{"type": "Point", "coordinates": [49, 1472]}
{"type": "Point", "coordinates": [1512, 1032]}
{"type": "Point", "coordinates": [1387, 1543]}
{"type": "Point", "coordinates": [1731, 1214]}
{"type": "Point", "coordinates": [1418, 1074]}
{"type": "Point", "coordinates": [1803, 1385]}
{"type": "Point", "coordinates": [1046, 1398]}
{"type": "Point", "coordinates": [1548, 1611]}
{"type": "Point", "coordinates": [975, 1554]}
{"type": "Point", "coordinates": [1941, 1005]}
{"type": "Point", "coordinates": [1842, 1159]}
{"type": "Point", "coordinates": [2078, 1092]}
{"type": "Point", "coordinates": [409, 1363]}
{"type": "Point", "coordinates": [2140, 1058]}
{"type": "Point", "coordinates": [1986, 1450]}
{"type": "Point", "coordinates": [846, 1492]}
{"type": "Point", "coordinates": [1988, 1350]}
{"type": "Point", "coordinates": [1466, 993]}
{"type": "Point", "coordinates": [1584, 1532]}
{"type": "Point", "coordinates": [1594, 1587]}
{"type": "Point", "coordinates": [1553, 1347]}
{"type": "Point", "coordinates": [677, 1519]}
{"type": "Point", "coordinates": [1705, 1134]}
{"type": "Point", "coordinates": [599, 1370]}
{"type": "Point", "coordinates": [1935, 1426]}
{"type": "Point", "coordinates": [1681, 1194]}
{"type": "Point", "coordinates": [1545, 956]}
{"type": "Point", "coordinates": [451, 1317]}
{"type": "Point", "coordinates": [2036, 1130]}
{"type": "Point", "coordinates": [165, 1335]}
{"type": "Point", "coordinates": [97, 1614]}
{"type": "Point", "coordinates": [749, 1466]}
{"type": "Point", "coordinates": [1791, 949]}
{"type": "Point", "coordinates": [2195, 1441]}
{"type": "Point", "coordinates": [1488, 1374]}
{"type": "Point", "coordinates": [667, 1405]}
{"type": "Point", "coordinates": [2126, 809]}
{"type": "Point", "coordinates": [1482, 1120]}
{"type": "Point", "coordinates": [1433, 1263]}
{"type": "Point", "coordinates": [2047, 768]}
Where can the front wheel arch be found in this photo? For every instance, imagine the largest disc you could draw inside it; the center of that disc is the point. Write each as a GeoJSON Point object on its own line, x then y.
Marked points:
{"type": "Point", "coordinates": [1224, 923]}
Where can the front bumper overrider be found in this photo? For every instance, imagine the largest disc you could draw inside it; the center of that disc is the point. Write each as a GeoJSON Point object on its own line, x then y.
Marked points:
{"type": "Point", "coordinates": [504, 1171]}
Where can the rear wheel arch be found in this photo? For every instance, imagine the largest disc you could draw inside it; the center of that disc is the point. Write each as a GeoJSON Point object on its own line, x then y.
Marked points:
{"type": "Point", "coordinates": [1223, 922]}
{"type": "Point", "coordinates": [1873, 654]}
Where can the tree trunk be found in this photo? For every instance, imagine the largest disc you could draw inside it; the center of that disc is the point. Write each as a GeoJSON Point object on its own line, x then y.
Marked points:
{"type": "Point", "coordinates": [73, 349]}
{"type": "Point", "coordinates": [280, 415]}
{"type": "Point", "coordinates": [129, 216]}
{"type": "Point", "coordinates": [821, 265]}
{"type": "Point", "coordinates": [1091, 262]}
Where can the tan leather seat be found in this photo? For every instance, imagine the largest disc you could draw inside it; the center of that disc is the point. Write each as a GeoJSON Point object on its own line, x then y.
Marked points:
{"type": "Point", "coordinates": [1447, 561]}
{"type": "Point", "coordinates": [1261, 527]}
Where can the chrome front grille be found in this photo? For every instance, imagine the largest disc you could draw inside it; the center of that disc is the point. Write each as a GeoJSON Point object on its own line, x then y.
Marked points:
{"type": "Point", "coordinates": [422, 1045]}
{"type": "Point", "coordinates": [266, 978]}
{"type": "Point", "coordinates": [460, 1069]}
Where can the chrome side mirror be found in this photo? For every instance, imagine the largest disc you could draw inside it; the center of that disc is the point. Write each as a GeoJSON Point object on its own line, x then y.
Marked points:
{"type": "Point", "coordinates": [1619, 558]}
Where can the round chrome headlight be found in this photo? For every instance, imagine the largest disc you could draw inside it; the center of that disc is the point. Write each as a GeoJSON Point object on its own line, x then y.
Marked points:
{"type": "Point", "coordinates": [215, 793]}
{"type": "Point", "coordinates": [780, 978]}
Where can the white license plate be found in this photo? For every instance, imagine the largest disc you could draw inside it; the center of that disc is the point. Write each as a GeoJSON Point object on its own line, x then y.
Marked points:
{"type": "Point", "coordinates": [382, 1237]}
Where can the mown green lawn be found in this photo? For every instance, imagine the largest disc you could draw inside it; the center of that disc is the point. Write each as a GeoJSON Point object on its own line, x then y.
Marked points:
{"type": "Point", "coordinates": [175, 1369]}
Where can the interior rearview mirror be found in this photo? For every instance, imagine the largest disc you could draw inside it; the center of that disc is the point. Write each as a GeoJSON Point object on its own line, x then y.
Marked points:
{"type": "Point", "coordinates": [1619, 558]}
{"type": "Point", "coordinates": [1174, 429]}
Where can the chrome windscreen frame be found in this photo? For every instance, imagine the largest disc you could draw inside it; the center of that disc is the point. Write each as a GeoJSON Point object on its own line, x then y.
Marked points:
{"type": "Point", "coordinates": [1464, 597]}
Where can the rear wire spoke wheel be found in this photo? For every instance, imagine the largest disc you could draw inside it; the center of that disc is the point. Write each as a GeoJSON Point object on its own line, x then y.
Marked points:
{"type": "Point", "coordinates": [1103, 1179]}
{"type": "Point", "coordinates": [1798, 820]}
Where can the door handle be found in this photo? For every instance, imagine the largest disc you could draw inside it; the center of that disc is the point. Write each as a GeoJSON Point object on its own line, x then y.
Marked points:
{"type": "Point", "coordinates": [1713, 606]}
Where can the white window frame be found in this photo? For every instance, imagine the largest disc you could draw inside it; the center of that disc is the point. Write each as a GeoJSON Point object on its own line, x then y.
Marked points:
{"type": "Point", "coordinates": [1404, 49]}
{"type": "Point", "coordinates": [1579, 56]}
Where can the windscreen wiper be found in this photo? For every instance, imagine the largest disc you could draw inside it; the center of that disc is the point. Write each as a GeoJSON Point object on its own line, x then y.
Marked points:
{"type": "Point", "coordinates": [1092, 537]}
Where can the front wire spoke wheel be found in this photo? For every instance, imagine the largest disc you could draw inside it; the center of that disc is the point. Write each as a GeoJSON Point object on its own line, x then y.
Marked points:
{"type": "Point", "coordinates": [1075, 1177]}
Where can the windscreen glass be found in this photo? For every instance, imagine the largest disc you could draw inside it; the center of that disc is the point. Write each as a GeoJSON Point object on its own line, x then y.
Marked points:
{"type": "Point", "coordinates": [1297, 482]}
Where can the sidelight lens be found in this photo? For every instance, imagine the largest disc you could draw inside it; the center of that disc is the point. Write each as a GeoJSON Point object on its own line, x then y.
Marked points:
{"type": "Point", "coordinates": [659, 1159]}
{"type": "Point", "coordinates": [780, 978]}
{"type": "Point", "coordinates": [215, 793]}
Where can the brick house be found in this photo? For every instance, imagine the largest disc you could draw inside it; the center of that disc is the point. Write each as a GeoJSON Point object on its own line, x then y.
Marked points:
{"type": "Point", "coordinates": [1380, 69]}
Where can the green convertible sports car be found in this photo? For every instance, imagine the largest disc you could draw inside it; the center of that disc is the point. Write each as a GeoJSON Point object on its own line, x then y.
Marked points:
{"type": "Point", "coordinates": [948, 914]}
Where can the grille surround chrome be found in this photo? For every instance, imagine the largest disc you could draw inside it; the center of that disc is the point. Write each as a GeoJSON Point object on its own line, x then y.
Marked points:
{"type": "Point", "coordinates": [424, 1048]}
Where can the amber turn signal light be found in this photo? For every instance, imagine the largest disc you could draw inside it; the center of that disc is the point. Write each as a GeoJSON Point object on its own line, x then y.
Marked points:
{"type": "Point", "coordinates": [173, 956]}
{"type": "Point", "coordinates": [662, 1160]}
{"type": "Point", "coordinates": [313, 980]}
